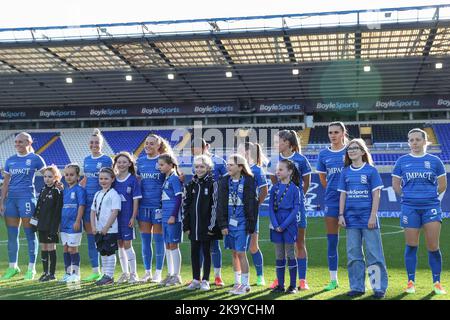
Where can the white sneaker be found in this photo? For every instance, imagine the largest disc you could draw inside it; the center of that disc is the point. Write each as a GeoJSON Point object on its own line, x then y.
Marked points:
{"type": "Point", "coordinates": [243, 289]}
{"type": "Point", "coordinates": [64, 278]}
{"type": "Point", "coordinates": [165, 281]}
{"type": "Point", "coordinates": [195, 284]}
{"type": "Point", "coordinates": [133, 278]}
{"type": "Point", "coordinates": [147, 277]}
{"type": "Point", "coordinates": [174, 280]}
{"type": "Point", "coordinates": [157, 277]}
{"type": "Point", "coordinates": [235, 287]}
{"type": "Point", "coordinates": [73, 278]}
{"type": "Point", "coordinates": [204, 286]}
{"type": "Point", "coordinates": [123, 278]}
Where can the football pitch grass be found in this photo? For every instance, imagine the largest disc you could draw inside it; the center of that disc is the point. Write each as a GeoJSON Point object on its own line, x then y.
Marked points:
{"type": "Point", "coordinates": [318, 276]}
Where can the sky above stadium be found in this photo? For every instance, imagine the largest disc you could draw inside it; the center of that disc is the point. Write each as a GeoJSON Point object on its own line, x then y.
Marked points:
{"type": "Point", "coordinates": [37, 13]}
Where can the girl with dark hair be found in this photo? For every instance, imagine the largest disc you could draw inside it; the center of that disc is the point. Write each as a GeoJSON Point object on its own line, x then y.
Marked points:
{"type": "Point", "coordinates": [127, 186]}
{"type": "Point", "coordinates": [283, 209]}
{"type": "Point", "coordinates": [171, 198]}
{"type": "Point", "coordinates": [289, 148]}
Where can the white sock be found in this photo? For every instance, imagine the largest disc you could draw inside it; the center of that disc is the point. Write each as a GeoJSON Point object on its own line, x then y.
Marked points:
{"type": "Point", "coordinates": [237, 277]}
{"type": "Point", "coordinates": [176, 257]}
{"type": "Point", "coordinates": [123, 260]}
{"type": "Point", "coordinates": [109, 265]}
{"type": "Point", "coordinates": [169, 262]}
{"type": "Point", "coordinates": [245, 279]}
{"type": "Point", "coordinates": [131, 259]}
{"type": "Point", "coordinates": [76, 270]}
{"type": "Point", "coordinates": [32, 266]}
{"type": "Point", "coordinates": [158, 273]}
{"type": "Point", "coordinates": [13, 265]}
{"type": "Point", "coordinates": [218, 272]}
{"type": "Point", "coordinates": [333, 275]}
{"type": "Point", "coordinates": [96, 270]}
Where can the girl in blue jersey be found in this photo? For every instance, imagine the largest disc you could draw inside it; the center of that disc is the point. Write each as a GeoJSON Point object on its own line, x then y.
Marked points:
{"type": "Point", "coordinates": [285, 199]}
{"type": "Point", "coordinates": [127, 186]}
{"type": "Point", "coordinates": [420, 178]}
{"type": "Point", "coordinates": [256, 159]}
{"type": "Point", "coordinates": [289, 147]}
{"type": "Point", "coordinates": [91, 167]}
{"type": "Point", "coordinates": [236, 206]}
{"type": "Point", "coordinates": [47, 218]}
{"type": "Point", "coordinates": [74, 203]}
{"type": "Point", "coordinates": [171, 198]}
{"type": "Point", "coordinates": [18, 202]}
{"type": "Point", "coordinates": [200, 147]}
{"type": "Point", "coordinates": [330, 163]}
{"type": "Point", "coordinates": [360, 187]}
{"type": "Point", "coordinates": [149, 216]}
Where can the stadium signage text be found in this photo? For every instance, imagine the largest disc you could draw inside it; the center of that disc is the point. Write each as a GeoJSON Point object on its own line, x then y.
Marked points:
{"type": "Point", "coordinates": [213, 109]}
{"type": "Point", "coordinates": [396, 104]}
{"type": "Point", "coordinates": [160, 110]}
{"type": "Point", "coordinates": [337, 106]}
{"type": "Point", "coordinates": [280, 107]}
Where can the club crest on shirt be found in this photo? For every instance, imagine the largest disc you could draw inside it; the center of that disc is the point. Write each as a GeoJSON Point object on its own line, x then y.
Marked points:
{"type": "Point", "coordinates": [72, 195]}
{"type": "Point", "coordinates": [427, 164]}
{"type": "Point", "coordinates": [343, 158]}
{"type": "Point", "coordinates": [363, 179]}
{"type": "Point", "coordinates": [28, 162]}
{"type": "Point", "coordinates": [241, 188]}
{"type": "Point", "coordinates": [128, 190]}
{"type": "Point", "coordinates": [99, 165]}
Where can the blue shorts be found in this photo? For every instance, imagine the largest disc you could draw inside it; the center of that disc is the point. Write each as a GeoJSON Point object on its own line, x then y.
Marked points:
{"type": "Point", "coordinates": [125, 232]}
{"type": "Point", "coordinates": [301, 219]}
{"type": "Point", "coordinates": [150, 215]}
{"type": "Point", "coordinates": [289, 235]}
{"type": "Point", "coordinates": [172, 232]}
{"type": "Point", "coordinates": [87, 211]}
{"type": "Point", "coordinates": [20, 207]}
{"type": "Point", "coordinates": [332, 212]}
{"type": "Point", "coordinates": [415, 218]}
{"type": "Point", "coordinates": [236, 240]}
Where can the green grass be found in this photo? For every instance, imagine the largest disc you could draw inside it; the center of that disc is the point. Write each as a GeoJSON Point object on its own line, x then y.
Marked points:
{"type": "Point", "coordinates": [393, 241]}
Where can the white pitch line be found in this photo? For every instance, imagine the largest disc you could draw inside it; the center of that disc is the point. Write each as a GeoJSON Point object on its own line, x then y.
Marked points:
{"type": "Point", "coordinates": [399, 230]}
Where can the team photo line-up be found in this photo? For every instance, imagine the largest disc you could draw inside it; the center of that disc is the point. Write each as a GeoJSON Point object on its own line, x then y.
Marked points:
{"type": "Point", "coordinates": [221, 202]}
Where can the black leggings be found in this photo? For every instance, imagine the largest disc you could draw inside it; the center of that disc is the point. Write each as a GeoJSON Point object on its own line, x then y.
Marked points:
{"type": "Point", "coordinates": [196, 247]}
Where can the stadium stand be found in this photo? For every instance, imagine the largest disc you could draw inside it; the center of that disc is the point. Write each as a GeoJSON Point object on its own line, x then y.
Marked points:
{"type": "Point", "coordinates": [124, 141]}
{"type": "Point", "coordinates": [442, 132]}
{"type": "Point", "coordinates": [56, 154]}
{"type": "Point", "coordinates": [392, 133]}
{"type": "Point", "coordinates": [319, 134]}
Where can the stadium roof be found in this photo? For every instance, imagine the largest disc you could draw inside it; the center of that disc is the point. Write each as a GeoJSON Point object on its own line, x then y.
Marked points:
{"type": "Point", "coordinates": [329, 49]}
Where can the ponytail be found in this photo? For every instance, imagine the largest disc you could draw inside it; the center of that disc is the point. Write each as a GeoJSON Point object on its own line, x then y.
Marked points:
{"type": "Point", "coordinates": [171, 160]}
{"type": "Point", "coordinates": [295, 177]}
{"type": "Point", "coordinates": [292, 138]}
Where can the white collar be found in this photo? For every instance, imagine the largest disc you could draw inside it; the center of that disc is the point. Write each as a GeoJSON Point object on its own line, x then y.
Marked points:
{"type": "Point", "coordinates": [101, 155]}
{"type": "Point", "coordinates": [343, 148]}
{"type": "Point", "coordinates": [125, 179]}
{"type": "Point", "coordinates": [23, 156]}
{"type": "Point", "coordinates": [150, 158]}
{"type": "Point", "coordinates": [418, 156]}
{"type": "Point", "coordinates": [357, 169]}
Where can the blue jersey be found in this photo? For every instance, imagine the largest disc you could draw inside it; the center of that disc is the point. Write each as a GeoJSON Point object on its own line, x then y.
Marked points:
{"type": "Point", "coordinates": [151, 181]}
{"type": "Point", "coordinates": [220, 167]}
{"type": "Point", "coordinates": [91, 168]}
{"type": "Point", "coordinates": [419, 177]}
{"type": "Point", "coordinates": [260, 177]}
{"type": "Point", "coordinates": [21, 170]}
{"type": "Point", "coordinates": [172, 187]}
{"type": "Point", "coordinates": [358, 184]}
{"type": "Point", "coordinates": [73, 198]}
{"type": "Point", "coordinates": [128, 190]}
{"type": "Point", "coordinates": [284, 206]}
{"type": "Point", "coordinates": [236, 214]}
{"type": "Point", "coordinates": [331, 163]}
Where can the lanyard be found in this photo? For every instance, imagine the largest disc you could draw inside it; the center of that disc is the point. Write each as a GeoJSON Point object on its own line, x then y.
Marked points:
{"type": "Point", "coordinates": [277, 203]}
{"type": "Point", "coordinates": [100, 206]}
{"type": "Point", "coordinates": [234, 193]}
{"type": "Point", "coordinates": [167, 179]}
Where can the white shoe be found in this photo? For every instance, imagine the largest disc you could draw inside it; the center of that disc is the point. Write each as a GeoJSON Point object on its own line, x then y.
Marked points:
{"type": "Point", "coordinates": [73, 278]}
{"type": "Point", "coordinates": [235, 287]}
{"type": "Point", "coordinates": [133, 278]}
{"type": "Point", "coordinates": [157, 277]}
{"type": "Point", "coordinates": [147, 277]}
{"type": "Point", "coordinates": [204, 286]}
{"type": "Point", "coordinates": [195, 284]}
{"type": "Point", "coordinates": [123, 278]}
{"type": "Point", "coordinates": [243, 289]}
{"type": "Point", "coordinates": [174, 280]}
{"type": "Point", "coordinates": [64, 278]}
{"type": "Point", "coordinates": [165, 281]}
